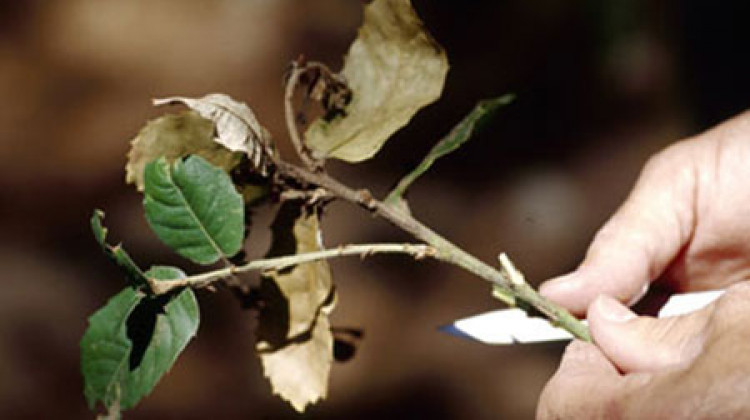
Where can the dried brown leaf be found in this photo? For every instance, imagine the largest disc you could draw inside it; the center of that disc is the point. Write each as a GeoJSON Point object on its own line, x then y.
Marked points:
{"type": "Point", "coordinates": [299, 371]}
{"type": "Point", "coordinates": [237, 129]}
{"type": "Point", "coordinates": [394, 68]}
{"type": "Point", "coordinates": [174, 136]}
{"type": "Point", "coordinates": [294, 337]}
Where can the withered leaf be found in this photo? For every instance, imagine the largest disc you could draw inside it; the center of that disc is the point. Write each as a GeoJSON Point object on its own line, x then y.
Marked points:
{"type": "Point", "coordinates": [295, 342]}
{"type": "Point", "coordinates": [394, 68]}
{"type": "Point", "coordinates": [237, 129]}
{"type": "Point", "coordinates": [299, 371]}
{"type": "Point", "coordinates": [173, 136]}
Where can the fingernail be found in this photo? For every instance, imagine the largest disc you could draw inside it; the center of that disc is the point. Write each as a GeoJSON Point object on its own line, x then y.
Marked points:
{"type": "Point", "coordinates": [612, 310]}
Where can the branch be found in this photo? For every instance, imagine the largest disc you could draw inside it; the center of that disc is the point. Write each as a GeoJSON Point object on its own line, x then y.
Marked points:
{"type": "Point", "coordinates": [519, 293]}
{"type": "Point", "coordinates": [291, 122]}
{"type": "Point", "coordinates": [417, 251]}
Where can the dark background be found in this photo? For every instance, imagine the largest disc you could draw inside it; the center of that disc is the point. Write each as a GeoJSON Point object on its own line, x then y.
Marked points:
{"type": "Point", "coordinates": [600, 86]}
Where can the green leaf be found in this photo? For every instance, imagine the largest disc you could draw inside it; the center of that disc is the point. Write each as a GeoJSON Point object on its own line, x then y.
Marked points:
{"type": "Point", "coordinates": [115, 252]}
{"type": "Point", "coordinates": [459, 135]}
{"type": "Point", "coordinates": [134, 340]}
{"type": "Point", "coordinates": [174, 137]}
{"type": "Point", "coordinates": [105, 349]}
{"type": "Point", "coordinates": [176, 324]}
{"type": "Point", "coordinates": [393, 68]}
{"type": "Point", "coordinates": [193, 207]}
{"type": "Point", "coordinates": [294, 336]}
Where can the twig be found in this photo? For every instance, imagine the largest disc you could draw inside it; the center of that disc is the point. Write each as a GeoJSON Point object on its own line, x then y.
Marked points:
{"type": "Point", "coordinates": [445, 250]}
{"type": "Point", "coordinates": [291, 122]}
{"type": "Point", "coordinates": [417, 251]}
{"type": "Point", "coordinates": [310, 197]}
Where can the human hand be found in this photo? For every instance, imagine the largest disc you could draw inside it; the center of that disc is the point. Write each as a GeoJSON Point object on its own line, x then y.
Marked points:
{"type": "Point", "coordinates": [687, 222]}
{"type": "Point", "coordinates": [690, 366]}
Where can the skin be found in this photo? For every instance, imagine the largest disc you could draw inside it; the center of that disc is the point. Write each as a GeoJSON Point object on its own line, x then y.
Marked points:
{"type": "Point", "coordinates": [686, 224]}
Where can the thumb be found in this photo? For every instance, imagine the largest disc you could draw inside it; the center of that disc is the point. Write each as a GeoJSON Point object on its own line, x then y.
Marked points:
{"type": "Point", "coordinates": [637, 344]}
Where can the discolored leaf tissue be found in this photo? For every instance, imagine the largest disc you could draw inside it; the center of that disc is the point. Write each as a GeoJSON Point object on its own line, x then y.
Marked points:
{"type": "Point", "coordinates": [294, 337]}
{"type": "Point", "coordinates": [394, 68]}
{"type": "Point", "coordinates": [176, 136]}
{"type": "Point", "coordinates": [237, 129]}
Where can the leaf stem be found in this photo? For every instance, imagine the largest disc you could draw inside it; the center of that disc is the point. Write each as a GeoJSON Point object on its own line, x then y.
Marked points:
{"type": "Point", "coordinates": [524, 294]}
{"type": "Point", "coordinates": [418, 251]}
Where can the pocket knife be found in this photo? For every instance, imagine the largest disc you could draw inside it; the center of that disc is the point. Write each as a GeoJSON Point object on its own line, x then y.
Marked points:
{"type": "Point", "coordinates": [514, 326]}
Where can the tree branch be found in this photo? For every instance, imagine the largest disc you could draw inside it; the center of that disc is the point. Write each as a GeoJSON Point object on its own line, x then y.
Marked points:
{"type": "Point", "coordinates": [519, 293]}
{"type": "Point", "coordinates": [417, 251]}
{"type": "Point", "coordinates": [507, 287]}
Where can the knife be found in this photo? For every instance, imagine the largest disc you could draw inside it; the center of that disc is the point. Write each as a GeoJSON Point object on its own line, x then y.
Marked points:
{"type": "Point", "coordinates": [512, 326]}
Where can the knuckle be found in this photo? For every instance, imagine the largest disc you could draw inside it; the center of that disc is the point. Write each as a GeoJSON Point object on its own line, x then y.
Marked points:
{"type": "Point", "coordinates": [732, 308]}
{"type": "Point", "coordinates": [739, 290]}
{"type": "Point", "coordinates": [667, 157]}
{"type": "Point", "coordinates": [736, 297]}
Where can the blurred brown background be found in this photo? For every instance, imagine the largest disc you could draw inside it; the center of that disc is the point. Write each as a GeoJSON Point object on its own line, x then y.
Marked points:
{"type": "Point", "coordinates": [600, 85]}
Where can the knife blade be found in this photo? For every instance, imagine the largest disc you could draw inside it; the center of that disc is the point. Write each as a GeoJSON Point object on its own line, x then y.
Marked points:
{"type": "Point", "coordinates": [514, 326]}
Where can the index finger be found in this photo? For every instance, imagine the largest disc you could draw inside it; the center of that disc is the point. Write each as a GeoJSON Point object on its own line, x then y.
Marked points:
{"type": "Point", "coordinates": [641, 239]}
